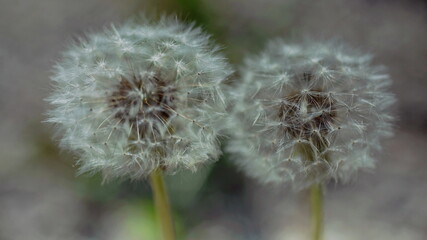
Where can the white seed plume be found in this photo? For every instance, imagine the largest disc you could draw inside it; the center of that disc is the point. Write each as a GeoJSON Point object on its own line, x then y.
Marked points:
{"type": "Point", "coordinates": [139, 97]}
{"type": "Point", "coordinates": [308, 113]}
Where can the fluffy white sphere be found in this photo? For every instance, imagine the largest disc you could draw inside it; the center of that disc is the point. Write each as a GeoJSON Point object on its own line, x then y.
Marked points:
{"type": "Point", "coordinates": [306, 113]}
{"type": "Point", "coordinates": [140, 97]}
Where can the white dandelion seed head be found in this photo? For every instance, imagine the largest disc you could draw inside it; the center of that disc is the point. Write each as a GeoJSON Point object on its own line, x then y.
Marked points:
{"type": "Point", "coordinates": [140, 97]}
{"type": "Point", "coordinates": [308, 113]}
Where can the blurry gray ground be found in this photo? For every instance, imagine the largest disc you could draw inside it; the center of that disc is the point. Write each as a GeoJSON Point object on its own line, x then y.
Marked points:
{"type": "Point", "coordinates": [38, 196]}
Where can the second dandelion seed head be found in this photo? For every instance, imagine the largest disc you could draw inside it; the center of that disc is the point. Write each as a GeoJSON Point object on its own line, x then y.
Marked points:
{"type": "Point", "coordinates": [306, 113]}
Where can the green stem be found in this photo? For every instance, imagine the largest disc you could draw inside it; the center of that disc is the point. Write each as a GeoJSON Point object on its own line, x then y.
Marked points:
{"type": "Point", "coordinates": [316, 201]}
{"type": "Point", "coordinates": [161, 201]}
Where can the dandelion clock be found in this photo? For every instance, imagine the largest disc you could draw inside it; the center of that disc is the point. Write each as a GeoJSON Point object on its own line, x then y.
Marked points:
{"type": "Point", "coordinates": [304, 114]}
{"type": "Point", "coordinates": [141, 99]}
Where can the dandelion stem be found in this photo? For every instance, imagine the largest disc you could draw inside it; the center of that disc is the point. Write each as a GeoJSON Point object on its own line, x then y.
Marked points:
{"type": "Point", "coordinates": [161, 200]}
{"type": "Point", "coordinates": [316, 201]}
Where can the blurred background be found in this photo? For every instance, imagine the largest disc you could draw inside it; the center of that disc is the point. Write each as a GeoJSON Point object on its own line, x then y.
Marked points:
{"type": "Point", "coordinates": [41, 198]}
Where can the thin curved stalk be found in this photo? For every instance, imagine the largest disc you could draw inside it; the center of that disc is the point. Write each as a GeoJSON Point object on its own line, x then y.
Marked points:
{"type": "Point", "coordinates": [316, 202]}
{"type": "Point", "coordinates": [161, 201]}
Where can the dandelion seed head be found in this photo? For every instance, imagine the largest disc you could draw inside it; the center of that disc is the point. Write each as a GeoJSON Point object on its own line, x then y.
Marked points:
{"type": "Point", "coordinates": [139, 97]}
{"type": "Point", "coordinates": [308, 113]}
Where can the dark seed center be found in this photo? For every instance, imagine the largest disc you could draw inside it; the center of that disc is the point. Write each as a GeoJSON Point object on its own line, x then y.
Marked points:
{"type": "Point", "coordinates": [148, 103]}
{"type": "Point", "coordinates": [307, 114]}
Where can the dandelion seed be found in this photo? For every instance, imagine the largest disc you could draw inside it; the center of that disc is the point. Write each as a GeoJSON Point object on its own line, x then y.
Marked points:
{"type": "Point", "coordinates": [322, 105]}
{"type": "Point", "coordinates": [131, 99]}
